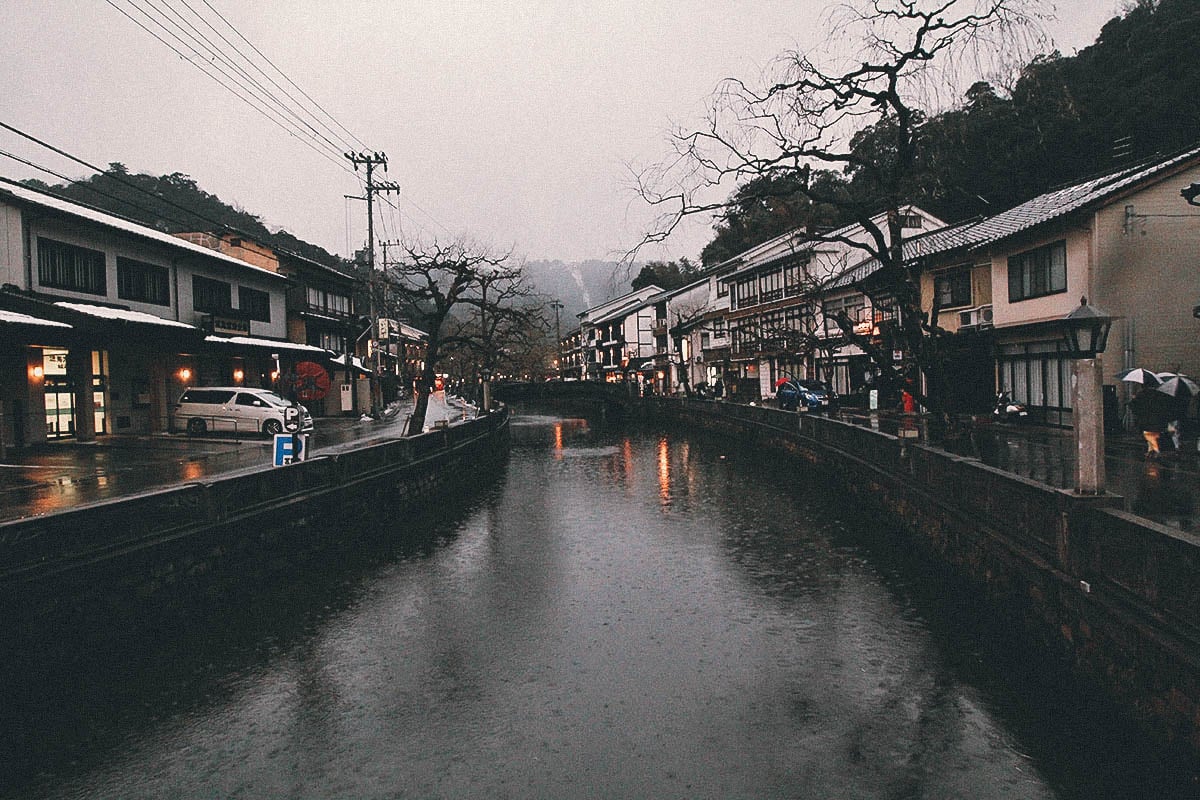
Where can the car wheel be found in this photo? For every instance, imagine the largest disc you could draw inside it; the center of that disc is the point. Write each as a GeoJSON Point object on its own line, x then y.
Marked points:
{"type": "Point", "coordinates": [272, 427]}
{"type": "Point", "coordinates": [196, 427]}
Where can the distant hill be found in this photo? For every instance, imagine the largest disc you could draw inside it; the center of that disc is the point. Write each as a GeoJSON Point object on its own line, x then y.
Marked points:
{"type": "Point", "coordinates": [175, 203]}
{"type": "Point", "coordinates": [579, 285]}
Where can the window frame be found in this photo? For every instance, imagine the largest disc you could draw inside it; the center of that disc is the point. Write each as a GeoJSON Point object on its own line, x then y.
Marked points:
{"type": "Point", "coordinates": [133, 283]}
{"type": "Point", "coordinates": [258, 309]}
{"type": "Point", "coordinates": [87, 272]}
{"type": "Point", "coordinates": [213, 285]}
{"type": "Point", "coordinates": [1031, 273]}
{"type": "Point", "coordinates": [953, 280]}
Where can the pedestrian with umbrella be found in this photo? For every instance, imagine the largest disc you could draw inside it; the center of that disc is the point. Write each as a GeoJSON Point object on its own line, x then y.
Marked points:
{"type": "Point", "coordinates": [1150, 411]}
{"type": "Point", "coordinates": [1180, 389]}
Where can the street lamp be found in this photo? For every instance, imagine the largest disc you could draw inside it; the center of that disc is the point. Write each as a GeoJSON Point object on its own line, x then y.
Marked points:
{"type": "Point", "coordinates": [557, 306]}
{"type": "Point", "coordinates": [1085, 333]}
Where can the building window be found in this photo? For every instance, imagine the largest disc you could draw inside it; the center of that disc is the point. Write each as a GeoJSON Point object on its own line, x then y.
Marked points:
{"type": "Point", "coordinates": [142, 282]}
{"type": "Point", "coordinates": [211, 296]}
{"type": "Point", "coordinates": [911, 221]}
{"type": "Point", "coordinates": [327, 341]}
{"type": "Point", "coordinates": [1038, 272]}
{"type": "Point", "coordinates": [851, 306]}
{"type": "Point", "coordinates": [953, 289]}
{"type": "Point", "coordinates": [746, 293]}
{"type": "Point", "coordinates": [254, 303]}
{"type": "Point", "coordinates": [70, 267]}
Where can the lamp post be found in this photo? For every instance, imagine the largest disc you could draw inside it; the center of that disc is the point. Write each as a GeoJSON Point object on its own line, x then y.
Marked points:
{"type": "Point", "coordinates": [557, 306]}
{"type": "Point", "coordinates": [1085, 332]}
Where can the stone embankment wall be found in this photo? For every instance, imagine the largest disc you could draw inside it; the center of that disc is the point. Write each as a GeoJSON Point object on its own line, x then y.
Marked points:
{"type": "Point", "coordinates": [172, 543]}
{"type": "Point", "coordinates": [1114, 596]}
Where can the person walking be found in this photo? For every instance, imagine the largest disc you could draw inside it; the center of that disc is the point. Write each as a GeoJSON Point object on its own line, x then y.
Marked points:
{"type": "Point", "coordinates": [1150, 414]}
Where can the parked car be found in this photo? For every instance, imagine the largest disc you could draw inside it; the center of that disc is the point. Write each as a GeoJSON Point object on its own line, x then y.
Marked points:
{"type": "Point", "coordinates": [797, 393]}
{"type": "Point", "coordinates": [234, 408]}
{"type": "Point", "coordinates": [817, 394]}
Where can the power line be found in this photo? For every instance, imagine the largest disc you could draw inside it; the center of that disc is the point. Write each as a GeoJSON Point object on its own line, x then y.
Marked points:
{"type": "Point", "coordinates": [114, 176]}
{"type": "Point", "coordinates": [285, 77]}
{"type": "Point", "coordinates": [282, 74]}
{"type": "Point", "coordinates": [219, 80]}
{"type": "Point", "coordinates": [102, 193]}
{"type": "Point", "coordinates": [199, 37]}
{"type": "Point", "coordinates": [216, 64]}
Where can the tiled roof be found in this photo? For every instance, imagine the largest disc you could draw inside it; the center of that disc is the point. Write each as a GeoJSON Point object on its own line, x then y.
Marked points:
{"type": "Point", "coordinates": [25, 194]}
{"type": "Point", "coordinates": [942, 240]}
{"type": "Point", "coordinates": [1061, 202]}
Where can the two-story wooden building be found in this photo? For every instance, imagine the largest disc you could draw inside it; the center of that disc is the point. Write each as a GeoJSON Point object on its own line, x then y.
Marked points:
{"type": "Point", "coordinates": [124, 317]}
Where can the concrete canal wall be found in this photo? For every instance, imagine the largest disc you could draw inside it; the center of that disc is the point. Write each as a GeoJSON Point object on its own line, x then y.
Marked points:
{"type": "Point", "coordinates": [1113, 596]}
{"type": "Point", "coordinates": [173, 543]}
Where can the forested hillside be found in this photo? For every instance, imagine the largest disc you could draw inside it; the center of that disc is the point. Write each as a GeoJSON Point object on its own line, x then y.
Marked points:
{"type": "Point", "coordinates": [1127, 97]}
{"type": "Point", "coordinates": [175, 203]}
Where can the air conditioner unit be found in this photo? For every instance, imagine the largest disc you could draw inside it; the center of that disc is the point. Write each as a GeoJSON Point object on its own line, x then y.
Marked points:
{"type": "Point", "coordinates": [979, 317]}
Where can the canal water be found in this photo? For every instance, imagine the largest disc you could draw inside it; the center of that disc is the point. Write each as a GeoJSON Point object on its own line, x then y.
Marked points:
{"type": "Point", "coordinates": [620, 614]}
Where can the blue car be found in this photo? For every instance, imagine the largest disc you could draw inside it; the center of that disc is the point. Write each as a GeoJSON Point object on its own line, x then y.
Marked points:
{"type": "Point", "coordinates": [812, 395]}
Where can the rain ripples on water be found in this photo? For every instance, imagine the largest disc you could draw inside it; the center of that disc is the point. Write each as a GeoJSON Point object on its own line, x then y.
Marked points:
{"type": "Point", "coordinates": [620, 614]}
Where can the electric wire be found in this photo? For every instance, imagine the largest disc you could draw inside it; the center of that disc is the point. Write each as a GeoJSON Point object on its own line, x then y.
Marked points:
{"type": "Point", "coordinates": [199, 37]}
{"type": "Point", "coordinates": [324, 154]}
{"type": "Point", "coordinates": [207, 65]}
{"type": "Point", "coordinates": [344, 143]}
{"type": "Point", "coordinates": [117, 178]}
{"type": "Point", "coordinates": [123, 200]}
{"type": "Point", "coordinates": [284, 75]}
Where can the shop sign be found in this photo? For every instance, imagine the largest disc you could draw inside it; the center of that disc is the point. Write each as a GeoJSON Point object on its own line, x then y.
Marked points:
{"type": "Point", "coordinates": [227, 324]}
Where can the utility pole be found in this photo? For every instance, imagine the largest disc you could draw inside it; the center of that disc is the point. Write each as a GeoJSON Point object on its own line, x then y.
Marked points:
{"type": "Point", "coordinates": [557, 306]}
{"type": "Point", "coordinates": [370, 161]}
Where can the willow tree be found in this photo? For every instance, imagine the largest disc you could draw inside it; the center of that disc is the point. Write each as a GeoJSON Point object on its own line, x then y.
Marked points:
{"type": "Point", "coordinates": [858, 111]}
{"type": "Point", "coordinates": [437, 284]}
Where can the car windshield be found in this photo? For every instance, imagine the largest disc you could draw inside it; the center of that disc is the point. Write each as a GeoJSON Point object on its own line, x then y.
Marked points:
{"type": "Point", "coordinates": [275, 399]}
{"type": "Point", "coordinates": [815, 386]}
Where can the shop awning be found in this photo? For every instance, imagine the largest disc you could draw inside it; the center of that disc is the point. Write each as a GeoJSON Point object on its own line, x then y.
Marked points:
{"type": "Point", "coordinates": [273, 345]}
{"type": "Point", "coordinates": [17, 318]}
{"type": "Point", "coordinates": [122, 315]}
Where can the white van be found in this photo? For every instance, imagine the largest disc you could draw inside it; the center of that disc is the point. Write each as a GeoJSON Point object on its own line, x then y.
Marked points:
{"type": "Point", "coordinates": [233, 408]}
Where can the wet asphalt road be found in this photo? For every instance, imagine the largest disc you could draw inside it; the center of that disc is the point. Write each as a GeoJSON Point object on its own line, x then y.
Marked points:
{"type": "Point", "coordinates": [65, 474]}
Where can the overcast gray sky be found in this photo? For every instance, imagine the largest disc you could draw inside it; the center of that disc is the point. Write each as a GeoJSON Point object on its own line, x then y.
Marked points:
{"type": "Point", "coordinates": [510, 121]}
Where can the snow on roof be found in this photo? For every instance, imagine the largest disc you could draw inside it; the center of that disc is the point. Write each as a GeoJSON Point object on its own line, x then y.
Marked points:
{"type": "Point", "coordinates": [24, 319]}
{"type": "Point", "coordinates": [122, 314]}
{"type": "Point", "coordinates": [44, 200]}
{"type": "Point", "coordinates": [254, 341]}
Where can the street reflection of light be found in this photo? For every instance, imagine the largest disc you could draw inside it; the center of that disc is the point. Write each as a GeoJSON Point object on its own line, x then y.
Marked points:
{"type": "Point", "coordinates": [627, 460]}
{"type": "Point", "coordinates": [558, 442]}
{"type": "Point", "coordinates": [664, 471]}
{"type": "Point", "coordinates": [192, 470]}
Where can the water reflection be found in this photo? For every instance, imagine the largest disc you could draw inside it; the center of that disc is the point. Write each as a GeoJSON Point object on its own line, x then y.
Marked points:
{"type": "Point", "coordinates": [626, 615]}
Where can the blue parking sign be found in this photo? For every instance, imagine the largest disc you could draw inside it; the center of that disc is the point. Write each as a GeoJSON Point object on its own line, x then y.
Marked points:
{"type": "Point", "coordinates": [289, 448]}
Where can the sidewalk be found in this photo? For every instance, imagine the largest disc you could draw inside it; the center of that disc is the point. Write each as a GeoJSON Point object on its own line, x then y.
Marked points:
{"type": "Point", "coordinates": [1163, 490]}
{"type": "Point", "coordinates": [67, 473]}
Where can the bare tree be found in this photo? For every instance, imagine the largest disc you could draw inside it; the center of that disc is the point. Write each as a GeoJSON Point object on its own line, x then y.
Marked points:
{"type": "Point", "coordinates": [862, 116]}
{"type": "Point", "coordinates": [431, 281]}
{"type": "Point", "coordinates": [683, 316]}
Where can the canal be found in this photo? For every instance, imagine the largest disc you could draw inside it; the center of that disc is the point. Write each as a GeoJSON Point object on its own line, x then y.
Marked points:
{"type": "Point", "coordinates": [621, 614]}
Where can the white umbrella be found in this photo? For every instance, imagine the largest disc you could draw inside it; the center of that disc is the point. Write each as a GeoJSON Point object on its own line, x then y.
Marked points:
{"type": "Point", "coordinates": [1177, 385]}
{"type": "Point", "coordinates": [1139, 375]}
